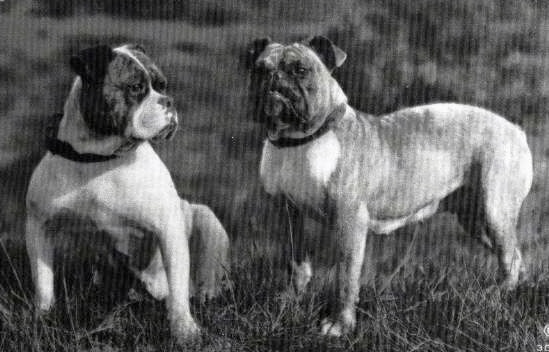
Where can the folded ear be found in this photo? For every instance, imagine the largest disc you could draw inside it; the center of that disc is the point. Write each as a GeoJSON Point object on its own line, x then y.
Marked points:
{"type": "Point", "coordinates": [255, 49]}
{"type": "Point", "coordinates": [137, 47]}
{"type": "Point", "coordinates": [329, 53]}
{"type": "Point", "coordinates": [91, 63]}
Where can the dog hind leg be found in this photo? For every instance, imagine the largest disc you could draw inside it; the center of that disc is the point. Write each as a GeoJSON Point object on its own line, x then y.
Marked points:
{"type": "Point", "coordinates": [174, 246]}
{"type": "Point", "coordinates": [502, 212]}
{"type": "Point", "coordinates": [154, 277]}
{"type": "Point", "coordinates": [209, 249]}
{"type": "Point", "coordinates": [467, 202]}
{"type": "Point", "coordinates": [470, 212]}
{"type": "Point", "coordinates": [509, 256]}
{"type": "Point", "coordinates": [506, 182]}
{"type": "Point", "coordinates": [498, 235]}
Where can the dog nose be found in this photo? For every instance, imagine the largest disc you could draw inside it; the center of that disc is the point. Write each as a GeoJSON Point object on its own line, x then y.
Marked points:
{"type": "Point", "coordinates": [166, 101]}
{"type": "Point", "coordinates": [276, 76]}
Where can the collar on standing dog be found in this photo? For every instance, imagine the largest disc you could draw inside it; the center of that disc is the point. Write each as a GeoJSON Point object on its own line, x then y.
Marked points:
{"type": "Point", "coordinates": [65, 150]}
{"type": "Point", "coordinates": [295, 142]}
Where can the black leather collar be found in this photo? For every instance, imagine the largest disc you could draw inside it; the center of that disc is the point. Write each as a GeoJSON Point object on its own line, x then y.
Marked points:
{"type": "Point", "coordinates": [295, 142]}
{"type": "Point", "coordinates": [65, 150]}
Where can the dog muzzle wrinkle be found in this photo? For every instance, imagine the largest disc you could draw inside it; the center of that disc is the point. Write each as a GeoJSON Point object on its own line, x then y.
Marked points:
{"type": "Point", "coordinates": [276, 103]}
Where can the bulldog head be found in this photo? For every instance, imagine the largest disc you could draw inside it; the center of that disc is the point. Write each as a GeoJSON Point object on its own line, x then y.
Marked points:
{"type": "Point", "coordinates": [292, 88]}
{"type": "Point", "coordinates": [123, 93]}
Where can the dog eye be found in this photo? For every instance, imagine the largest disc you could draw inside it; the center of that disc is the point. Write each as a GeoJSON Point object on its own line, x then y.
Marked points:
{"type": "Point", "coordinates": [136, 88]}
{"type": "Point", "coordinates": [299, 70]}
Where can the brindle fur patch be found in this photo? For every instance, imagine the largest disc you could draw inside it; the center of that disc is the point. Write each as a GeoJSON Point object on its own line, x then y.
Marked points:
{"type": "Point", "coordinates": [80, 236]}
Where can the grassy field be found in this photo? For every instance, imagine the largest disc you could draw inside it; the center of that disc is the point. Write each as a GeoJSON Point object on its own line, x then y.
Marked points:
{"type": "Point", "coordinates": [430, 292]}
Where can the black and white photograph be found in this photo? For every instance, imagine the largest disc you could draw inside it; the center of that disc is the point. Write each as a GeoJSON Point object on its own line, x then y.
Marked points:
{"type": "Point", "coordinates": [274, 175]}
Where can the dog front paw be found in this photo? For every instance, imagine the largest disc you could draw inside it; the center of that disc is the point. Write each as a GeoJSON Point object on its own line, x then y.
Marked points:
{"type": "Point", "coordinates": [512, 271]}
{"type": "Point", "coordinates": [43, 305]}
{"type": "Point", "coordinates": [344, 324]}
{"type": "Point", "coordinates": [156, 285]}
{"type": "Point", "coordinates": [185, 330]}
{"type": "Point", "coordinates": [509, 284]}
{"type": "Point", "coordinates": [303, 273]}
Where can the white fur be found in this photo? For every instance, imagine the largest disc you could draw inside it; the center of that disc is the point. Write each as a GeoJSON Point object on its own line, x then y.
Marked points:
{"type": "Point", "coordinates": [150, 117]}
{"type": "Point", "coordinates": [303, 273]}
{"type": "Point", "coordinates": [271, 54]}
{"type": "Point", "coordinates": [123, 196]}
{"type": "Point", "coordinates": [395, 169]}
{"type": "Point", "coordinates": [388, 226]}
{"type": "Point", "coordinates": [125, 51]}
{"type": "Point", "coordinates": [133, 189]}
{"type": "Point", "coordinates": [300, 172]}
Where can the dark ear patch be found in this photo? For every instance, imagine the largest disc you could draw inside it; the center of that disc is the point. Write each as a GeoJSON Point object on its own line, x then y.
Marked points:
{"type": "Point", "coordinates": [329, 53]}
{"type": "Point", "coordinates": [158, 80]}
{"type": "Point", "coordinates": [91, 64]}
{"type": "Point", "coordinates": [255, 49]}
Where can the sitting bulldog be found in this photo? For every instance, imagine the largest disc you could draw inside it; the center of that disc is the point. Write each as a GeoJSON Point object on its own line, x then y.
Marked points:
{"type": "Point", "coordinates": [101, 173]}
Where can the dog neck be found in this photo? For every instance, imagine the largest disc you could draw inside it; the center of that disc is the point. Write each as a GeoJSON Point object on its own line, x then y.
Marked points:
{"type": "Point", "coordinates": [74, 131]}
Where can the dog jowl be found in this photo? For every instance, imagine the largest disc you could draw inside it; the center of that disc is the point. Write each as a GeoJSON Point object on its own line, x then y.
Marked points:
{"type": "Point", "coordinates": [360, 173]}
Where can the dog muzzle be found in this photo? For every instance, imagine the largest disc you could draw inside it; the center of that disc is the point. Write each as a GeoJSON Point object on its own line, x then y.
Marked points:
{"type": "Point", "coordinates": [275, 104]}
{"type": "Point", "coordinates": [167, 132]}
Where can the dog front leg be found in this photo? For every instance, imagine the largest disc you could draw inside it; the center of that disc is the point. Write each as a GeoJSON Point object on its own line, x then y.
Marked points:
{"type": "Point", "coordinates": [301, 267]}
{"type": "Point", "coordinates": [175, 253]}
{"type": "Point", "coordinates": [40, 252]}
{"type": "Point", "coordinates": [352, 226]}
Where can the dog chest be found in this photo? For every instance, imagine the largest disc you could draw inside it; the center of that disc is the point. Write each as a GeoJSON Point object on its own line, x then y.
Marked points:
{"type": "Point", "coordinates": [120, 196]}
{"type": "Point", "coordinates": [301, 173]}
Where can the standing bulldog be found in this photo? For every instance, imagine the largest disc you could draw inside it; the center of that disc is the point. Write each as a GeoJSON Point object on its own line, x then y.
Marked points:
{"type": "Point", "coordinates": [102, 186]}
{"type": "Point", "coordinates": [359, 172]}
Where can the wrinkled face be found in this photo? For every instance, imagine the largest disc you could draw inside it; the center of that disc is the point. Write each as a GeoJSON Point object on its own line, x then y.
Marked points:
{"type": "Point", "coordinates": [123, 93]}
{"type": "Point", "coordinates": [293, 90]}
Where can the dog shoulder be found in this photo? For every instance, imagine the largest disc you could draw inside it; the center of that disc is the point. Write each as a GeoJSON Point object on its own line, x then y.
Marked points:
{"type": "Point", "coordinates": [50, 176]}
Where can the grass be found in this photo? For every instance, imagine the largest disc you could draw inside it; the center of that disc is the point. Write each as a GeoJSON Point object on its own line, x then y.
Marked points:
{"type": "Point", "coordinates": [448, 303]}
{"type": "Point", "coordinates": [442, 298]}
